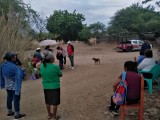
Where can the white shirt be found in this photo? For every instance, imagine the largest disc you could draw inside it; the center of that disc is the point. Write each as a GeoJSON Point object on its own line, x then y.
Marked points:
{"type": "Point", "coordinates": [146, 64]}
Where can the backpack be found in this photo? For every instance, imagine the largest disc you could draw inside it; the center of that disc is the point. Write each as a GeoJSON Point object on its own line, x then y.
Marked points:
{"type": "Point", "coordinates": [119, 96]}
{"type": "Point", "coordinates": [59, 56]}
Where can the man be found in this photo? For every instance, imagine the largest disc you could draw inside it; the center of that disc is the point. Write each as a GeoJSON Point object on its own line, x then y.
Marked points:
{"type": "Point", "coordinates": [70, 50]}
{"type": "Point", "coordinates": [145, 46]}
{"type": "Point", "coordinates": [11, 77]}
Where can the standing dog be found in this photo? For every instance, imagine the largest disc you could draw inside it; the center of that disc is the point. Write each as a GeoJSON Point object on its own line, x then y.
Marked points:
{"type": "Point", "coordinates": [96, 60]}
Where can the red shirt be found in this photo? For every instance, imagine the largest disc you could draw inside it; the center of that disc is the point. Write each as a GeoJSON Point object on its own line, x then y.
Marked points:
{"type": "Point", "coordinates": [133, 80]}
{"type": "Point", "coordinates": [69, 50]}
{"type": "Point", "coordinates": [35, 61]}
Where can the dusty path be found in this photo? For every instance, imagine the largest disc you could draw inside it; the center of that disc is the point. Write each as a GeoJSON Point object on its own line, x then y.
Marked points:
{"type": "Point", "coordinates": [85, 91]}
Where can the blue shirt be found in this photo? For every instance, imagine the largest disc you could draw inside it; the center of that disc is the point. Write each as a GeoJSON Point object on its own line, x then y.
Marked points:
{"type": "Point", "coordinates": [140, 59]}
{"type": "Point", "coordinates": [11, 77]}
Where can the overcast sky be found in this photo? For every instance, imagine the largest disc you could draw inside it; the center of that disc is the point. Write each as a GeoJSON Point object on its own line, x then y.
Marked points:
{"type": "Point", "coordinates": [93, 10]}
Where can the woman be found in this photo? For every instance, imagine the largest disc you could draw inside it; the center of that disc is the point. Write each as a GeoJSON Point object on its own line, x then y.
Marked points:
{"type": "Point", "coordinates": [60, 57]}
{"type": "Point", "coordinates": [47, 49]}
{"type": "Point", "coordinates": [133, 80]}
{"type": "Point", "coordinates": [51, 74]}
{"type": "Point", "coordinates": [64, 55]}
{"type": "Point", "coordinates": [148, 62]}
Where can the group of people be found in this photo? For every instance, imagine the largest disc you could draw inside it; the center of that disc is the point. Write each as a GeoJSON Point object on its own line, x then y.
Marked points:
{"type": "Point", "coordinates": [12, 74]}
{"type": "Point", "coordinates": [61, 55]}
{"type": "Point", "coordinates": [35, 62]}
{"type": "Point", "coordinates": [145, 62]}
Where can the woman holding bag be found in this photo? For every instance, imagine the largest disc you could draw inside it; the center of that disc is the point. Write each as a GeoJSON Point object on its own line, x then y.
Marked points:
{"type": "Point", "coordinates": [133, 80]}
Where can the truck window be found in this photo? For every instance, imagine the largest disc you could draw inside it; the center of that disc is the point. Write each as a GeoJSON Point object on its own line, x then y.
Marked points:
{"type": "Point", "coordinates": [134, 42]}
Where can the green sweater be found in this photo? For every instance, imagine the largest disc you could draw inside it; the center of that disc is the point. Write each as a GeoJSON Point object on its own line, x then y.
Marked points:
{"type": "Point", "coordinates": [50, 76]}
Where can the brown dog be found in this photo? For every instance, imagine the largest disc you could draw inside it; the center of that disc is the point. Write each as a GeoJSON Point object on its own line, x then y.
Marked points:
{"type": "Point", "coordinates": [96, 60]}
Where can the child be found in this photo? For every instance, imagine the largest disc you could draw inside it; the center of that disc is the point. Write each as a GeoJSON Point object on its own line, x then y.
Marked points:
{"type": "Point", "coordinates": [133, 80]}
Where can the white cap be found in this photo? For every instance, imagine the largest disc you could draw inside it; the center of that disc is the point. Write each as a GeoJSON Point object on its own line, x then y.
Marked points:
{"type": "Point", "coordinates": [38, 48]}
{"type": "Point", "coordinates": [68, 42]}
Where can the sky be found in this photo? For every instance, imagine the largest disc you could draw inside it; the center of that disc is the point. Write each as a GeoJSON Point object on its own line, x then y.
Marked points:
{"type": "Point", "coordinates": [93, 10]}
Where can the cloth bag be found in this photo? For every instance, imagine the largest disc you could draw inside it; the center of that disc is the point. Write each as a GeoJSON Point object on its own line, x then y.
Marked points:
{"type": "Point", "coordinates": [120, 94]}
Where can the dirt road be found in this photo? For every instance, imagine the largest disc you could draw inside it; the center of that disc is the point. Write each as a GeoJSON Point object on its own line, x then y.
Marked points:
{"type": "Point", "coordinates": [85, 91]}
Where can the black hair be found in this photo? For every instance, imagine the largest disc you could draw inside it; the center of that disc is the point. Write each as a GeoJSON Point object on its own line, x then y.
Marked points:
{"type": "Point", "coordinates": [141, 52]}
{"type": "Point", "coordinates": [131, 66]}
{"type": "Point", "coordinates": [47, 47]}
{"type": "Point", "coordinates": [8, 58]}
{"type": "Point", "coordinates": [38, 50]}
{"type": "Point", "coordinates": [58, 47]}
{"type": "Point", "coordinates": [50, 50]}
{"type": "Point", "coordinates": [148, 53]}
{"type": "Point", "coordinates": [45, 60]}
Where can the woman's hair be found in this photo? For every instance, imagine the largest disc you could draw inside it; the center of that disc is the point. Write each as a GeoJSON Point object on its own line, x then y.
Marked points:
{"type": "Point", "coordinates": [131, 66]}
{"type": "Point", "coordinates": [47, 58]}
{"type": "Point", "coordinates": [58, 48]}
{"type": "Point", "coordinates": [141, 52]}
{"type": "Point", "coordinates": [47, 47]}
{"type": "Point", "coordinates": [148, 53]}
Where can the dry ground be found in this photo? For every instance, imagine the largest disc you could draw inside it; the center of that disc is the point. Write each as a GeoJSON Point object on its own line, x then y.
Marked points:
{"type": "Point", "coordinates": [86, 90]}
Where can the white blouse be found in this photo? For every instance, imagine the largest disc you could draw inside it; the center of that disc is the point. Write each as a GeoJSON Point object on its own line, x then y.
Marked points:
{"type": "Point", "coordinates": [146, 64]}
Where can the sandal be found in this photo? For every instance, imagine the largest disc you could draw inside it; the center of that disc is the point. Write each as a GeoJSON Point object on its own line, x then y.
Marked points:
{"type": "Point", "coordinates": [50, 116]}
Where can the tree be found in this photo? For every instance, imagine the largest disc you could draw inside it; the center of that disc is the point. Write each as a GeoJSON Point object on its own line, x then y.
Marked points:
{"type": "Point", "coordinates": [18, 10]}
{"type": "Point", "coordinates": [85, 34]}
{"type": "Point", "coordinates": [66, 25]}
{"type": "Point", "coordinates": [14, 27]}
{"type": "Point", "coordinates": [97, 29]}
{"type": "Point", "coordinates": [135, 18]}
{"type": "Point", "coordinates": [156, 2]}
{"type": "Point", "coordinates": [40, 25]}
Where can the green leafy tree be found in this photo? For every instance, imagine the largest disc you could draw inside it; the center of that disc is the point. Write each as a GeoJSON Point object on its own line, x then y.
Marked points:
{"type": "Point", "coordinates": [157, 3]}
{"type": "Point", "coordinates": [97, 29]}
{"type": "Point", "coordinates": [135, 19]}
{"type": "Point", "coordinates": [66, 25]}
{"type": "Point", "coordinates": [19, 12]}
{"type": "Point", "coordinates": [85, 34]}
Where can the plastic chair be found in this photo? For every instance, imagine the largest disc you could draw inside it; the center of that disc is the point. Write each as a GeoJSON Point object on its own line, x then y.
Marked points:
{"type": "Point", "coordinates": [139, 106]}
{"type": "Point", "coordinates": [155, 71]}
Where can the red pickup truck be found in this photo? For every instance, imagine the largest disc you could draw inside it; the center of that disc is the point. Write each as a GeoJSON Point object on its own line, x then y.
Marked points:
{"type": "Point", "coordinates": [130, 45]}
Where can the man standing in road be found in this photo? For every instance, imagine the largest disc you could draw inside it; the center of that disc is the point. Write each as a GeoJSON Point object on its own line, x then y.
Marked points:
{"type": "Point", "coordinates": [70, 51]}
{"type": "Point", "coordinates": [11, 77]}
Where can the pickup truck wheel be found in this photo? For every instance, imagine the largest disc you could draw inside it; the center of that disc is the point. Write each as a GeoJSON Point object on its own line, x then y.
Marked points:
{"type": "Point", "coordinates": [129, 49]}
